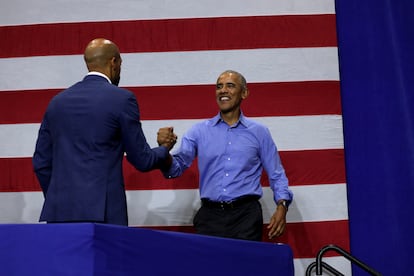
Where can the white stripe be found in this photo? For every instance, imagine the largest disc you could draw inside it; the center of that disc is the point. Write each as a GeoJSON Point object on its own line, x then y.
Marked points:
{"type": "Point", "coordinates": [289, 133]}
{"type": "Point", "coordinates": [177, 207]}
{"type": "Point", "coordinates": [18, 12]}
{"type": "Point", "coordinates": [310, 203]}
{"type": "Point", "coordinates": [162, 207]}
{"type": "Point", "coordinates": [177, 68]}
{"type": "Point", "coordinates": [20, 207]}
{"type": "Point", "coordinates": [339, 263]}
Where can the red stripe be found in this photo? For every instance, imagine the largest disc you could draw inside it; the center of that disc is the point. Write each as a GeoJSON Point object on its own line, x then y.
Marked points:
{"type": "Point", "coordinates": [193, 101]}
{"type": "Point", "coordinates": [27, 106]}
{"type": "Point", "coordinates": [248, 32]}
{"type": "Point", "coordinates": [305, 238]}
{"type": "Point", "coordinates": [309, 167]}
{"type": "Point", "coordinates": [302, 168]}
{"type": "Point", "coordinates": [265, 99]}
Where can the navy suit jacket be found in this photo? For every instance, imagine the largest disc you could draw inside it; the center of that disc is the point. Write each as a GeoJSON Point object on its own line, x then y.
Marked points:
{"type": "Point", "coordinates": [82, 139]}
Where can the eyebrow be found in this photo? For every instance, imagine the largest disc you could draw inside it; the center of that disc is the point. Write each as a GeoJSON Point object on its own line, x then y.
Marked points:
{"type": "Point", "coordinates": [227, 83]}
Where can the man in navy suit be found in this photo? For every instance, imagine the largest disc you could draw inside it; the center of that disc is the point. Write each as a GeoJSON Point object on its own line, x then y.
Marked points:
{"type": "Point", "coordinates": [83, 137]}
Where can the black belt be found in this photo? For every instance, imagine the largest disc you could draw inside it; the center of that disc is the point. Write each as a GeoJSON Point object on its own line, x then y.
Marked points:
{"type": "Point", "coordinates": [229, 204]}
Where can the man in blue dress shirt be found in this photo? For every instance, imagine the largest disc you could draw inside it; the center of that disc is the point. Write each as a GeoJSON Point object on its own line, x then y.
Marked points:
{"type": "Point", "coordinates": [232, 150]}
{"type": "Point", "coordinates": [83, 137]}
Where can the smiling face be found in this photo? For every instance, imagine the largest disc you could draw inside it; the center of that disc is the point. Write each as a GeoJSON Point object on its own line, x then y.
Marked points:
{"type": "Point", "coordinates": [230, 91]}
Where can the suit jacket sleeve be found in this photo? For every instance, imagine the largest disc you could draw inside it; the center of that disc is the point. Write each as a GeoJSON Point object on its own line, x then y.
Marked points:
{"type": "Point", "coordinates": [138, 152]}
{"type": "Point", "coordinates": [42, 157]}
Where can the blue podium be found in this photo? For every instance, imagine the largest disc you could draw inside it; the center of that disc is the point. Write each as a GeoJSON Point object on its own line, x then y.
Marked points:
{"type": "Point", "coordinates": [99, 249]}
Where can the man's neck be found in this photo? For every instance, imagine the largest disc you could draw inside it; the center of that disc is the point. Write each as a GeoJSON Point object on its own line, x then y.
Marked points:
{"type": "Point", "coordinates": [230, 117]}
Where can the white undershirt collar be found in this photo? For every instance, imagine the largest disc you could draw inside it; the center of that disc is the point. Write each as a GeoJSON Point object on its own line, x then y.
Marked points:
{"type": "Point", "coordinates": [99, 74]}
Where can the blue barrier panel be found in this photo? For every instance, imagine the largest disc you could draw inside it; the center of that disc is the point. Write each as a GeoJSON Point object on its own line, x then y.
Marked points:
{"type": "Point", "coordinates": [99, 249]}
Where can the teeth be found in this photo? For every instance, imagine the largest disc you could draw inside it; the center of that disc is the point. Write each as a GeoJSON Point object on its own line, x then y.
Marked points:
{"type": "Point", "coordinates": [224, 98]}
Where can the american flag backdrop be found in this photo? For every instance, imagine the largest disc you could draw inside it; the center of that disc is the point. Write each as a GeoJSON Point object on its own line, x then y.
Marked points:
{"type": "Point", "coordinates": [172, 53]}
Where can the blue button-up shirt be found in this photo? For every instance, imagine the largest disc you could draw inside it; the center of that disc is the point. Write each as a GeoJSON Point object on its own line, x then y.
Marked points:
{"type": "Point", "coordinates": [231, 159]}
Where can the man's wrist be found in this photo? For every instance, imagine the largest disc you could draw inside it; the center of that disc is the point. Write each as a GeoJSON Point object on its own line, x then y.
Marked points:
{"type": "Point", "coordinates": [283, 203]}
{"type": "Point", "coordinates": [168, 162]}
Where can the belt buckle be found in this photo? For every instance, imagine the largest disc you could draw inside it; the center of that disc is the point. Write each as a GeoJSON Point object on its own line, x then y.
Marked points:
{"type": "Point", "coordinates": [226, 204]}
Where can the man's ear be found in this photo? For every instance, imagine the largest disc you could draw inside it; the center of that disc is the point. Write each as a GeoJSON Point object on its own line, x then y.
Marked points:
{"type": "Point", "coordinates": [245, 93]}
{"type": "Point", "coordinates": [113, 61]}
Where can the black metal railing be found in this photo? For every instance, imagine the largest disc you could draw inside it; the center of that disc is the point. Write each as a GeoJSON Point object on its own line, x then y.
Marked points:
{"type": "Point", "coordinates": [319, 264]}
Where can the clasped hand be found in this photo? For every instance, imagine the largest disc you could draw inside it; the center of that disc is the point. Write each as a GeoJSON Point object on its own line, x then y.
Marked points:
{"type": "Point", "coordinates": [166, 137]}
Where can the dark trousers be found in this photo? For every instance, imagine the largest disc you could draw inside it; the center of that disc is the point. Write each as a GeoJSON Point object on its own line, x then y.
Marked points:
{"type": "Point", "coordinates": [243, 221]}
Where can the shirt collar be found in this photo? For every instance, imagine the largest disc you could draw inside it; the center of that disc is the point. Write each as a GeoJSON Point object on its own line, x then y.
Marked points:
{"type": "Point", "coordinates": [99, 74]}
{"type": "Point", "coordinates": [242, 120]}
